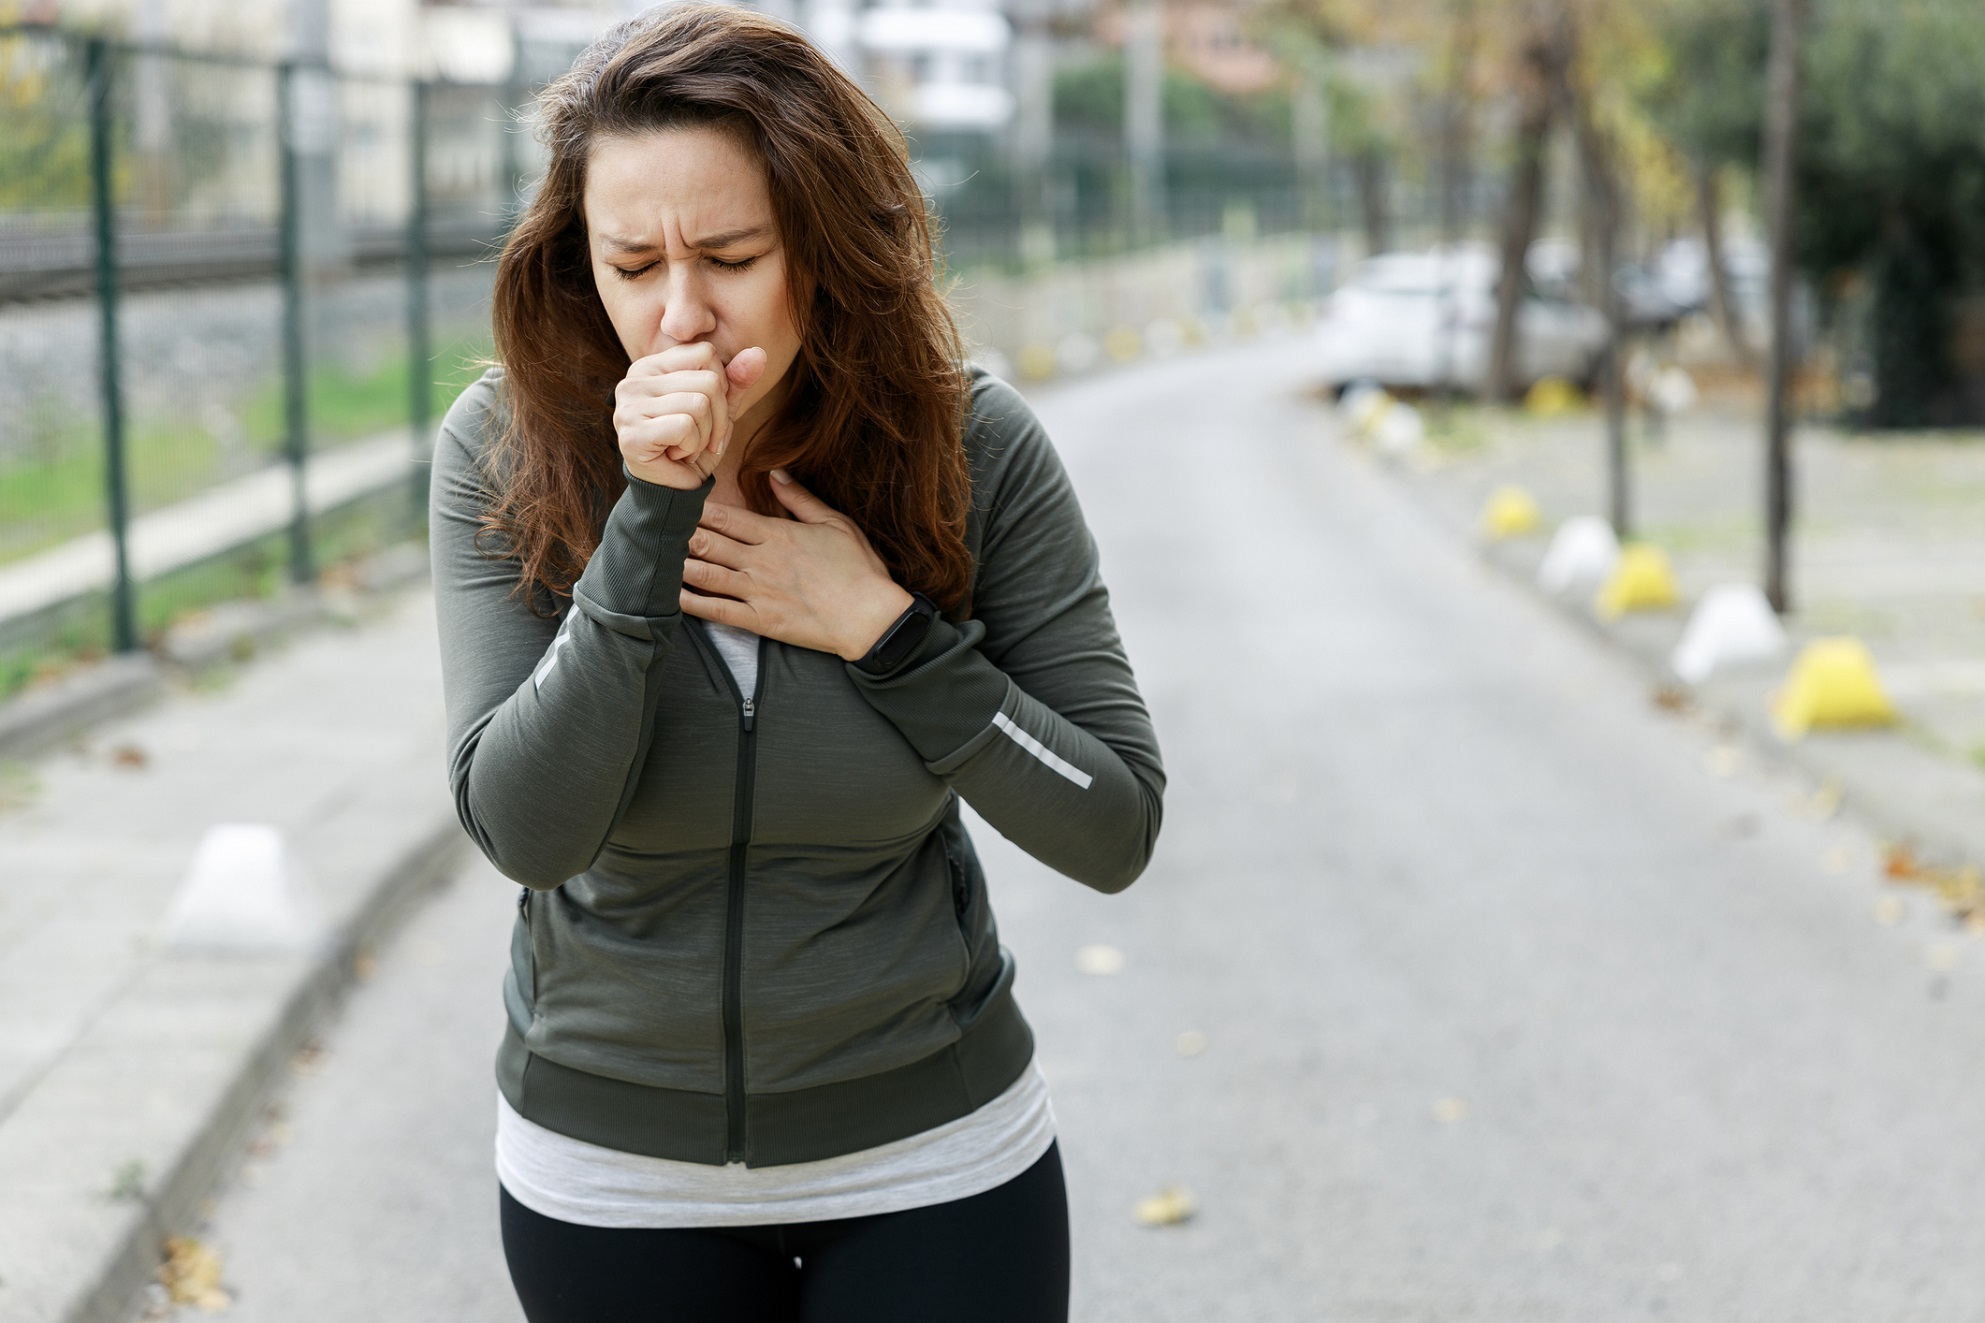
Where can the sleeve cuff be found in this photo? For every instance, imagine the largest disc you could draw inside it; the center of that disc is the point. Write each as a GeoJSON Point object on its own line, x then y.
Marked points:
{"type": "Point", "coordinates": [944, 695]}
{"type": "Point", "coordinates": [637, 568]}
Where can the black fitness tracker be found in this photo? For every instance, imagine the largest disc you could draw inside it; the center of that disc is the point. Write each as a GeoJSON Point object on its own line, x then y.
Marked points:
{"type": "Point", "coordinates": [901, 638]}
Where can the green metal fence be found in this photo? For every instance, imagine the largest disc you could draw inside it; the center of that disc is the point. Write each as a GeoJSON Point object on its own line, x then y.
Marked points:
{"type": "Point", "coordinates": [236, 294]}
{"type": "Point", "coordinates": [234, 297]}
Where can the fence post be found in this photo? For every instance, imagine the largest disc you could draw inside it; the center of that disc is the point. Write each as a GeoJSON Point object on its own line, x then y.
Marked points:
{"type": "Point", "coordinates": [420, 349]}
{"type": "Point", "coordinates": [123, 613]}
{"type": "Point", "coordinates": [296, 421]}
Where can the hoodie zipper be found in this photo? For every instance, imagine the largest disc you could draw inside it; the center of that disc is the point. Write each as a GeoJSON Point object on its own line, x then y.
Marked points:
{"type": "Point", "coordinates": [747, 768]}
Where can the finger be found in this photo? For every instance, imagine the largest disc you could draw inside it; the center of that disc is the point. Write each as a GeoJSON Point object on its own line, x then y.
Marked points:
{"type": "Point", "coordinates": [806, 507]}
{"type": "Point", "coordinates": [737, 524]}
{"type": "Point", "coordinates": [651, 438]}
{"type": "Point", "coordinates": [707, 577]}
{"type": "Point", "coordinates": [708, 544]}
{"type": "Point", "coordinates": [676, 358]}
{"type": "Point", "coordinates": [688, 403]}
{"type": "Point", "coordinates": [646, 392]}
{"type": "Point", "coordinates": [743, 372]}
{"type": "Point", "coordinates": [723, 610]}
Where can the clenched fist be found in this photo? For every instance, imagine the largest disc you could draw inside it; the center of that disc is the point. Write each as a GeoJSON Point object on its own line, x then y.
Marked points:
{"type": "Point", "coordinates": [674, 411]}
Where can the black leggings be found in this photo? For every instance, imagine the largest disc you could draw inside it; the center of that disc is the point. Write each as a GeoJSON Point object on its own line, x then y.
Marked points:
{"type": "Point", "coordinates": [997, 1257]}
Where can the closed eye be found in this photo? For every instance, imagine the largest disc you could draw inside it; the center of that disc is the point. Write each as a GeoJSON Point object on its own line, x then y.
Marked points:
{"type": "Point", "coordinates": [737, 265]}
{"type": "Point", "coordinates": [635, 273]}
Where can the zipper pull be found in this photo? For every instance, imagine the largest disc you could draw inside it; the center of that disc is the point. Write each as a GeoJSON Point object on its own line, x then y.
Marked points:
{"type": "Point", "coordinates": [750, 713]}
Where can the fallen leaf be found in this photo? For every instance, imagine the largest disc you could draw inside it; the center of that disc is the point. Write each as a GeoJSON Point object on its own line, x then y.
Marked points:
{"type": "Point", "coordinates": [1888, 911]}
{"type": "Point", "coordinates": [1960, 889]}
{"type": "Point", "coordinates": [1450, 1110]}
{"type": "Point", "coordinates": [1672, 698]}
{"type": "Point", "coordinates": [191, 1274]}
{"type": "Point", "coordinates": [364, 966]}
{"type": "Point", "coordinates": [1899, 863]}
{"type": "Point", "coordinates": [1190, 1043]}
{"type": "Point", "coordinates": [130, 756]}
{"type": "Point", "coordinates": [1099, 960]}
{"type": "Point", "coordinates": [1826, 801]}
{"type": "Point", "coordinates": [1169, 1207]}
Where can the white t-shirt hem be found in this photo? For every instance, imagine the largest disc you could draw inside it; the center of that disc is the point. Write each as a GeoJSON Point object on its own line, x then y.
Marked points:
{"type": "Point", "coordinates": [591, 1185]}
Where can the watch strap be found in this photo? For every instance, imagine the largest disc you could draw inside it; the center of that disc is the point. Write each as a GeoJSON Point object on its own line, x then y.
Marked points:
{"type": "Point", "coordinates": [901, 638]}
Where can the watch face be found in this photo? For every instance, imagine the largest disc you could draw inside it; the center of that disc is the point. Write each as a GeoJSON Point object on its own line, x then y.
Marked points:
{"type": "Point", "coordinates": [904, 638]}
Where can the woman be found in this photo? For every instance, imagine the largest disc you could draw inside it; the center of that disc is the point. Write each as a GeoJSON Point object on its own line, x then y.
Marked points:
{"type": "Point", "coordinates": [744, 583]}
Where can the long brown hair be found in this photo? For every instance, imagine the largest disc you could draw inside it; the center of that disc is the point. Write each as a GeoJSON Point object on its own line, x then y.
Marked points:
{"type": "Point", "coordinates": [873, 416]}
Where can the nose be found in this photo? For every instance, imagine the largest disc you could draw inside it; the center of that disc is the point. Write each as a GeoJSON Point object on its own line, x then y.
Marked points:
{"type": "Point", "coordinates": [686, 312]}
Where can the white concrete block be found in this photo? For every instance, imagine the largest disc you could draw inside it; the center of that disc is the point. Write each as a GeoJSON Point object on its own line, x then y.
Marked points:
{"type": "Point", "coordinates": [1733, 623]}
{"type": "Point", "coordinates": [1581, 555]}
{"type": "Point", "coordinates": [243, 894]}
{"type": "Point", "coordinates": [1400, 431]}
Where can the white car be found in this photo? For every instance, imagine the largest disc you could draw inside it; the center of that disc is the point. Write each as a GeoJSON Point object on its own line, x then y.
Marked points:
{"type": "Point", "coordinates": [1425, 320]}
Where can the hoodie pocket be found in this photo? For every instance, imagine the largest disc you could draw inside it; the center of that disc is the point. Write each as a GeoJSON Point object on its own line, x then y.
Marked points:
{"type": "Point", "coordinates": [961, 912]}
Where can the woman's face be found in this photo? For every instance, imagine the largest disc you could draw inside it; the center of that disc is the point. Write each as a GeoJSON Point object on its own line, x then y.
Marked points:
{"type": "Point", "coordinates": [685, 249]}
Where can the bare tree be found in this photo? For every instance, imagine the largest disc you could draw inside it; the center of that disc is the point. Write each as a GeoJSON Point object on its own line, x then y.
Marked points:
{"type": "Point", "coordinates": [1722, 307]}
{"type": "Point", "coordinates": [1457, 133]}
{"type": "Point", "coordinates": [1541, 73]}
{"type": "Point", "coordinates": [1374, 204]}
{"type": "Point", "coordinates": [1603, 203]}
{"type": "Point", "coordinates": [1781, 151]}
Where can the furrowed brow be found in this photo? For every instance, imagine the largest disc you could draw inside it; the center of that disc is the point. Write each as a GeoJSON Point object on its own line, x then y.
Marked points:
{"type": "Point", "coordinates": [727, 238]}
{"type": "Point", "coordinates": [621, 245]}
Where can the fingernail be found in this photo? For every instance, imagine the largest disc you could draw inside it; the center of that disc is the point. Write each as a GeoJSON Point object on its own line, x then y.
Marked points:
{"type": "Point", "coordinates": [781, 476]}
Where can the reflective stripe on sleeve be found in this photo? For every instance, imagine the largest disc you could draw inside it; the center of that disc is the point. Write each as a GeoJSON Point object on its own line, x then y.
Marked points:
{"type": "Point", "coordinates": [1042, 751]}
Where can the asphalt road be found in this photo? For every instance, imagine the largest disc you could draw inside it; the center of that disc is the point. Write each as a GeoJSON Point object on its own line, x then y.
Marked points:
{"type": "Point", "coordinates": [1520, 999]}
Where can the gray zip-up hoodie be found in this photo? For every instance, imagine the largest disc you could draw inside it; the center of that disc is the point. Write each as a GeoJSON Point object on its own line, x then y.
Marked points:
{"type": "Point", "coordinates": [754, 928]}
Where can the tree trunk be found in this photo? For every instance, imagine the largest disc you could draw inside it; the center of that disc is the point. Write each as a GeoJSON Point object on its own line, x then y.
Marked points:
{"type": "Point", "coordinates": [1601, 212]}
{"type": "Point", "coordinates": [1372, 201]}
{"type": "Point", "coordinates": [1709, 214]}
{"type": "Point", "coordinates": [1457, 121]}
{"type": "Point", "coordinates": [1788, 19]}
{"type": "Point", "coordinates": [1542, 70]}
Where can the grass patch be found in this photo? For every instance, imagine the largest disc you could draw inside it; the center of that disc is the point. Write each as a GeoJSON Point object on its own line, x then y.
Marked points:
{"type": "Point", "coordinates": [79, 631]}
{"type": "Point", "coordinates": [346, 405]}
{"type": "Point", "coordinates": [57, 492]}
{"type": "Point", "coordinates": [1456, 429]}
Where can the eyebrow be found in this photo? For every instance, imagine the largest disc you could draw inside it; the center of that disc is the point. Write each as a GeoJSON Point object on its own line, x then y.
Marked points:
{"type": "Point", "coordinates": [724, 239]}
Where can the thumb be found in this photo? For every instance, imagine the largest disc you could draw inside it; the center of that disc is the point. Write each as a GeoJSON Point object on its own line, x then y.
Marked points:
{"type": "Point", "coordinates": [804, 505]}
{"type": "Point", "coordinates": [743, 371]}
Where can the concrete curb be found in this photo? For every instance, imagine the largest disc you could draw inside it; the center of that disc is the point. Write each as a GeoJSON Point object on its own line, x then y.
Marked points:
{"type": "Point", "coordinates": [121, 1139]}
{"type": "Point", "coordinates": [166, 1088]}
{"type": "Point", "coordinates": [43, 718]}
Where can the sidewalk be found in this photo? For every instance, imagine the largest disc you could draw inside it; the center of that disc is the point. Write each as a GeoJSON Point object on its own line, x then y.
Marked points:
{"type": "Point", "coordinates": [1889, 546]}
{"type": "Point", "coordinates": [127, 1074]}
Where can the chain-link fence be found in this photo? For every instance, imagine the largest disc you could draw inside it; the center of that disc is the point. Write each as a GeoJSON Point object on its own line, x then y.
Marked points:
{"type": "Point", "coordinates": [234, 295]}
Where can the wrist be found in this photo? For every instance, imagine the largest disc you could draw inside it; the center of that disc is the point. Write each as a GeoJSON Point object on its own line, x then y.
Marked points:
{"type": "Point", "coordinates": [872, 623]}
